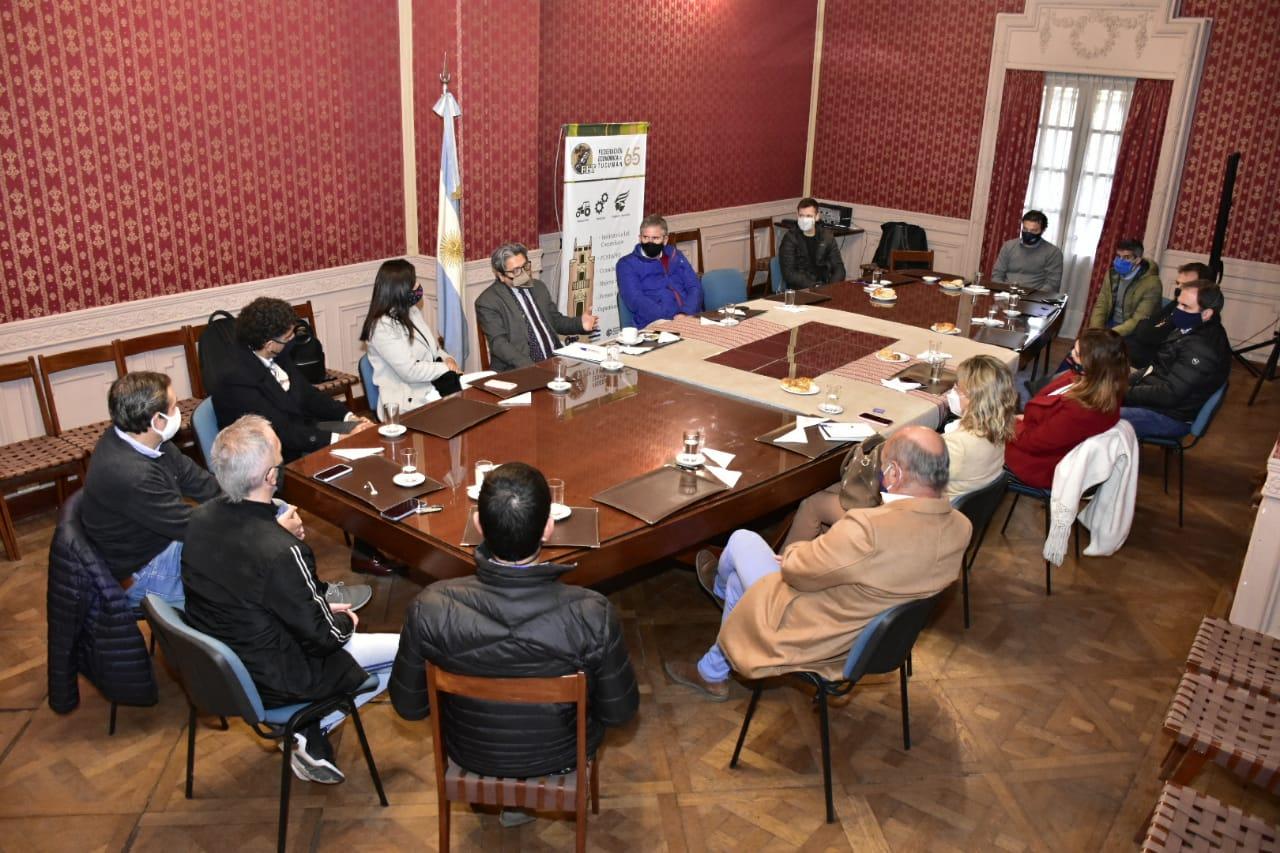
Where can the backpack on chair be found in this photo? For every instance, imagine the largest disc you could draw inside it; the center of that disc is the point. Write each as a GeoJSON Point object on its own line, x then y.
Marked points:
{"type": "Point", "coordinates": [307, 352]}
{"type": "Point", "coordinates": [218, 349]}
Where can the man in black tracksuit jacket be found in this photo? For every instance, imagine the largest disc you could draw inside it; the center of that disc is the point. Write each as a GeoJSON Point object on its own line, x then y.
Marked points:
{"type": "Point", "coordinates": [808, 254]}
{"type": "Point", "coordinates": [514, 619]}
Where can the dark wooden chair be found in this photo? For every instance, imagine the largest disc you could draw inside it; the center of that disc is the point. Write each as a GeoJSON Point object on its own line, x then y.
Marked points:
{"type": "Point", "coordinates": [84, 437]}
{"type": "Point", "coordinates": [979, 506]}
{"type": "Point", "coordinates": [760, 263]}
{"type": "Point", "coordinates": [126, 348]}
{"type": "Point", "coordinates": [691, 235]}
{"type": "Point", "coordinates": [560, 793]}
{"type": "Point", "coordinates": [42, 459]}
{"type": "Point", "coordinates": [1185, 819]}
{"type": "Point", "coordinates": [904, 259]}
{"type": "Point", "coordinates": [335, 381]}
{"type": "Point", "coordinates": [483, 344]}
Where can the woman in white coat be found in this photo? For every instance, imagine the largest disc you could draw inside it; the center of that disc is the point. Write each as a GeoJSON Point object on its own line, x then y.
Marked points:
{"type": "Point", "coordinates": [408, 367]}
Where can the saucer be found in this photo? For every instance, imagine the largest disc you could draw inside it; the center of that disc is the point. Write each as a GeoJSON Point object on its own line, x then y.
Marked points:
{"type": "Point", "coordinates": [831, 409]}
{"type": "Point", "coordinates": [690, 460]}
{"type": "Point", "coordinates": [559, 512]}
{"type": "Point", "coordinates": [408, 481]}
{"type": "Point", "coordinates": [612, 365]}
{"type": "Point", "coordinates": [728, 321]}
{"type": "Point", "coordinates": [557, 385]}
{"type": "Point", "coordinates": [639, 340]}
{"type": "Point", "coordinates": [391, 430]}
{"type": "Point", "coordinates": [473, 492]}
{"type": "Point", "coordinates": [1012, 312]}
{"type": "Point", "coordinates": [929, 279]}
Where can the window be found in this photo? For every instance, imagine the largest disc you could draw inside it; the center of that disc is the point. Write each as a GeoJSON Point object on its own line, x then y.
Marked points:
{"type": "Point", "coordinates": [1081, 120]}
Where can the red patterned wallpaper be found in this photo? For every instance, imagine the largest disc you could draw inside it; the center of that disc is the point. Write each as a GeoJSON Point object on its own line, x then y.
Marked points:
{"type": "Point", "coordinates": [1238, 110]}
{"type": "Point", "coordinates": [494, 59]}
{"type": "Point", "coordinates": [156, 147]}
{"type": "Point", "coordinates": [724, 85]}
{"type": "Point", "coordinates": [904, 85]}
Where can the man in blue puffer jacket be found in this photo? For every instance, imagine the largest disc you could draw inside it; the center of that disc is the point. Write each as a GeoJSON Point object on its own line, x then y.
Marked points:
{"type": "Point", "coordinates": [656, 281]}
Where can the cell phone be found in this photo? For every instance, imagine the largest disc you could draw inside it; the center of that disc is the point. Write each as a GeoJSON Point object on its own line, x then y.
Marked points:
{"type": "Point", "coordinates": [328, 475]}
{"type": "Point", "coordinates": [404, 509]}
{"type": "Point", "coordinates": [875, 419]}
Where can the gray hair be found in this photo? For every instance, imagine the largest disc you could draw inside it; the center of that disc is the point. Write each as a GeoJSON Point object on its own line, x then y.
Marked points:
{"type": "Point", "coordinates": [654, 219]}
{"type": "Point", "coordinates": [919, 463]}
{"type": "Point", "coordinates": [135, 398]}
{"type": "Point", "coordinates": [241, 456]}
{"type": "Point", "coordinates": [506, 252]}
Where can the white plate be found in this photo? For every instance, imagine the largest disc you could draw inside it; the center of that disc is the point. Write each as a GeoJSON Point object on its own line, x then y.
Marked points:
{"type": "Point", "coordinates": [473, 492]}
{"type": "Point", "coordinates": [813, 389]}
{"type": "Point", "coordinates": [884, 299]}
{"type": "Point", "coordinates": [831, 409]}
{"type": "Point", "coordinates": [728, 321]}
{"type": "Point", "coordinates": [690, 460]}
{"type": "Point", "coordinates": [612, 365]}
{"type": "Point", "coordinates": [900, 357]}
{"type": "Point", "coordinates": [557, 385]}
{"type": "Point", "coordinates": [391, 430]}
{"type": "Point", "coordinates": [934, 328]}
{"type": "Point", "coordinates": [559, 512]}
{"type": "Point", "coordinates": [1012, 312]}
{"type": "Point", "coordinates": [408, 481]}
{"type": "Point", "coordinates": [929, 279]}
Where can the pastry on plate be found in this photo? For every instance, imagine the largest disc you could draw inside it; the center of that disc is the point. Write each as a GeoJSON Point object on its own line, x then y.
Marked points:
{"type": "Point", "coordinates": [884, 293]}
{"type": "Point", "coordinates": [888, 354]}
{"type": "Point", "coordinates": [798, 383]}
{"type": "Point", "coordinates": [944, 328]}
{"type": "Point", "coordinates": [952, 283]}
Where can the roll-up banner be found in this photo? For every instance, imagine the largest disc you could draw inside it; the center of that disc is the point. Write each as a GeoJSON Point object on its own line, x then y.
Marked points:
{"type": "Point", "coordinates": [603, 206]}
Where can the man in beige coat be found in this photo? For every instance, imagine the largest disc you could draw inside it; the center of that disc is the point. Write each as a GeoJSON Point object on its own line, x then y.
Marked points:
{"type": "Point", "coordinates": [804, 609]}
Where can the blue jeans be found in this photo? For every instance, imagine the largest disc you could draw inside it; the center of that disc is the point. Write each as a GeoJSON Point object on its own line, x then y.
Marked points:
{"type": "Point", "coordinates": [746, 559]}
{"type": "Point", "coordinates": [162, 576]}
{"type": "Point", "coordinates": [1148, 423]}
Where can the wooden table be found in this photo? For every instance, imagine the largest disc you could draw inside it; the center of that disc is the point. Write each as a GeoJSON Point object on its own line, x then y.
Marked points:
{"type": "Point", "coordinates": [610, 428]}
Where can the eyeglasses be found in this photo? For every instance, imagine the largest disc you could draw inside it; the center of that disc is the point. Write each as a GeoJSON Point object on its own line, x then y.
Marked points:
{"type": "Point", "coordinates": [284, 339]}
{"type": "Point", "coordinates": [515, 272]}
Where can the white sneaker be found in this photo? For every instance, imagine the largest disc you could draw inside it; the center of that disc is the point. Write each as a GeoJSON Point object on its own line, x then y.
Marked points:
{"type": "Point", "coordinates": [309, 768]}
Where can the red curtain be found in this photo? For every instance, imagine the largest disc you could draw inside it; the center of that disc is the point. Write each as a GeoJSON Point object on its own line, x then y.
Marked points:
{"type": "Point", "coordinates": [1135, 176]}
{"type": "Point", "coordinates": [1011, 169]}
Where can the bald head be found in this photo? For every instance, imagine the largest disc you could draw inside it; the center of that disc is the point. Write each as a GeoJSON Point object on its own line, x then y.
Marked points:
{"type": "Point", "coordinates": [922, 461]}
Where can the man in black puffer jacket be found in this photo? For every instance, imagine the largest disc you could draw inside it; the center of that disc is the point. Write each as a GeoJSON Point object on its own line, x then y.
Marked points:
{"type": "Point", "coordinates": [514, 619]}
{"type": "Point", "coordinates": [1193, 362]}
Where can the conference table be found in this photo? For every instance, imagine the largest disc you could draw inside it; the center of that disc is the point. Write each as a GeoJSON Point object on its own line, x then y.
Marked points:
{"type": "Point", "coordinates": [613, 426]}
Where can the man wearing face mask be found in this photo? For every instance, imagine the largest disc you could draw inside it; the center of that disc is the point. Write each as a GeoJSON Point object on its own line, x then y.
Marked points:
{"type": "Point", "coordinates": [517, 316]}
{"type": "Point", "coordinates": [1147, 336]}
{"type": "Point", "coordinates": [133, 508]}
{"type": "Point", "coordinates": [1030, 260]}
{"type": "Point", "coordinates": [808, 254]}
{"type": "Point", "coordinates": [656, 281]}
{"type": "Point", "coordinates": [1192, 362]}
{"type": "Point", "coordinates": [804, 608]}
{"type": "Point", "coordinates": [1130, 293]}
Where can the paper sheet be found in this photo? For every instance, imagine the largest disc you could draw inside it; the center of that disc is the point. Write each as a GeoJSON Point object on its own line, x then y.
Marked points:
{"type": "Point", "coordinates": [899, 385]}
{"type": "Point", "coordinates": [633, 350]}
{"type": "Point", "coordinates": [797, 436]}
{"type": "Point", "coordinates": [794, 309]}
{"type": "Point", "coordinates": [466, 380]}
{"type": "Point", "coordinates": [667, 337]}
{"type": "Point", "coordinates": [525, 399]}
{"type": "Point", "coordinates": [353, 453]}
{"type": "Point", "coordinates": [847, 432]}
{"type": "Point", "coordinates": [583, 352]}
{"type": "Point", "coordinates": [724, 475]}
{"type": "Point", "coordinates": [718, 456]}
{"type": "Point", "coordinates": [500, 384]}
{"type": "Point", "coordinates": [942, 356]}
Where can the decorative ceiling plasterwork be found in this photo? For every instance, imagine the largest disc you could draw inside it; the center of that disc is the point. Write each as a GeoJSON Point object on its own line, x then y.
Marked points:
{"type": "Point", "coordinates": [1094, 33]}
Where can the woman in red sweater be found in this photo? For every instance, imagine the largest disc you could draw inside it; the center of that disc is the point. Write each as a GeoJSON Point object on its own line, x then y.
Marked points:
{"type": "Point", "coordinates": [1083, 402]}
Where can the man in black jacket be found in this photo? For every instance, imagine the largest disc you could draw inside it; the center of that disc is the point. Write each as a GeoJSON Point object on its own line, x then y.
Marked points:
{"type": "Point", "coordinates": [253, 585]}
{"type": "Point", "coordinates": [133, 509]}
{"type": "Point", "coordinates": [513, 618]}
{"type": "Point", "coordinates": [808, 254]}
{"type": "Point", "coordinates": [1192, 362]}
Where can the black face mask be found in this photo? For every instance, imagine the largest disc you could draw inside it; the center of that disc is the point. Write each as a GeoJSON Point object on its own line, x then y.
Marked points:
{"type": "Point", "coordinates": [651, 250]}
{"type": "Point", "coordinates": [279, 477]}
{"type": "Point", "coordinates": [1074, 365]}
{"type": "Point", "coordinates": [1029, 239]}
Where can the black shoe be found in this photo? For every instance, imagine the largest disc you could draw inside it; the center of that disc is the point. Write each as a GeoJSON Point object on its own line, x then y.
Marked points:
{"type": "Point", "coordinates": [705, 565]}
{"type": "Point", "coordinates": [376, 564]}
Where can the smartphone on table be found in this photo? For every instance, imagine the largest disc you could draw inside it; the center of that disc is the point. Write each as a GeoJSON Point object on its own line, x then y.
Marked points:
{"type": "Point", "coordinates": [333, 472]}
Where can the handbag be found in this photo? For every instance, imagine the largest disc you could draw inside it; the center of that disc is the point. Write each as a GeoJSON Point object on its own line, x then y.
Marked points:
{"type": "Point", "coordinates": [860, 475]}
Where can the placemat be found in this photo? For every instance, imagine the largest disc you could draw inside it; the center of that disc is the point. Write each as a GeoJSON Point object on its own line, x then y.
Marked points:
{"type": "Point", "coordinates": [1014, 340]}
{"type": "Point", "coordinates": [650, 346]}
{"type": "Point", "coordinates": [450, 416]}
{"type": "Point", "coordinates": [579, 530]}
{"type": "Point", "coordinates": [743, 314]}
{"type": "Point", "coordinates": [814, 447]}
{"type": "Point", "coordinates": [378, 471]}
{"type": "Point", "coordinates": [529, 378]}
{"type": "Point", "coordinates": [803, 297]}
{"type": "Point", "coordinates": [721, 336]}
{"type": "Point", "coordinates": [919, 372]}
{"type": "Point", "coordinates": [653, 496]}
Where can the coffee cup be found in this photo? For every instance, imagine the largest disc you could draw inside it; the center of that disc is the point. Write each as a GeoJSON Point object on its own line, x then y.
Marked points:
{"type": "Point", "coordinates": [629, 335]}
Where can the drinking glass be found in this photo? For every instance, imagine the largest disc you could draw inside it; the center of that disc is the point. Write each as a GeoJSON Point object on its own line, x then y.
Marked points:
{"type": "Point", "coordinates": [934, 349]}
{"type": "Point", "coordinates": [484, 466]}
{"type": "Point", "coordinates": [612, 353]}
{"type": "Point", "coordinates": [390, 414]}
{"type": "Point", "coordinates": [991, 314]}
{"type": "Point", "coordinates": [560, 371]}
{"type": "Point", "coordinates": [832, 405]}
{"type": "Point", "coordinates": [556, 485]}
{"type": "Point", "coordinates": [935, 369]}
{"type": "Point", "coordinates": [693, 441]}
{"type": "Point", "coordinates": [790, 297]}
{"type": "Point", "coordinates": [410, 457]}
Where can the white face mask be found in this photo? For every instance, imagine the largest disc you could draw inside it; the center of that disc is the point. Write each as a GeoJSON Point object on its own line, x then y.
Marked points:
{"type": "Point", "coordinates": [954, 403]}
{"type": "Point", "coordinates": [171, 425]}
{"type": "Point", "coordinates": [806, 223]}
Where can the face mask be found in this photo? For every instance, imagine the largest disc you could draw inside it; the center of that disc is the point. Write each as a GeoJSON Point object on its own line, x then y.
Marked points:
{"type": "Point", "coordinates": [417, 295]}
{"type": "Point", "coordinates": [171, 424]}
{"type": "Point", "coordinates": [651, 250]}
{"type": "Point", "coordinates": [1186, 320]}
{"type": "Point", "coordinates": [1074, 366]}
{"type": "Point", "coordinates": [954, 403]}
{"type": "Point", "coordinates": [1122, 266]}
{"type": "Point", "coordinates": [806, 223]}
{"type": "Point", "coordinates": [1029, 239]}
{"type": "Point", "coordinates": [880, 478]}
{"type": "Point", "coordinates": [522, 279]}
{"type": "Point", "coordinates": [279, 469]}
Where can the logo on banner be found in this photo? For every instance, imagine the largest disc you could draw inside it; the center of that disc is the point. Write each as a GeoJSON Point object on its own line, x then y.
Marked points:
{"type": "Point", "coordinates": [582, 158]}
{"type": "Point", "coordinates": [620, 203]}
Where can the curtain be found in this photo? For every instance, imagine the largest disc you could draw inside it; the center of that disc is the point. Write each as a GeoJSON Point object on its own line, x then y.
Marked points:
{"type": "Point", "coordinates": [1011, 168]}
{"type": "Point", "coordinates": [1135, 176]}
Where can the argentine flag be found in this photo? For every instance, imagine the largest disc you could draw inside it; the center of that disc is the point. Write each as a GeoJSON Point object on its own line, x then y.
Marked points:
{"type": "Point", "coordinates": [451, 318]}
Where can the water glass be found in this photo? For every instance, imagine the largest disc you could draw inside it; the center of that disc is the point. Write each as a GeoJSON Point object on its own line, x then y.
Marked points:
{"type": "Point", "coordinates": [693, 441]}
{"type": "Point", "coordinates": [612, 353]}
{"type": "Point", "coordinates": [935, 369]}
{"type": "Point", "coordinates": [556, 486]}
{"type": "Point", "coordinates": [934, 348]}
{"type": "Point", "coordinates": [484, 466]}
{"type": "Point", "coordinates": [410, 457]}
{"type": "Point", "coordinates": [789, 296]}
{"type": "Point", "coordinates": [991, 314]}
{"type": "Point", "coordinates": [390, 414]}
{"type": "Point", "coordinates": [832, 405]}
{"type": "Point", "coordinates": [560, 371]}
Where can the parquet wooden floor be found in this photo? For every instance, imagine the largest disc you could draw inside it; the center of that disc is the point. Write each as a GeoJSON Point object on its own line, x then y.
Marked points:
{"type": "Point", "coordinates": [1037, 729]}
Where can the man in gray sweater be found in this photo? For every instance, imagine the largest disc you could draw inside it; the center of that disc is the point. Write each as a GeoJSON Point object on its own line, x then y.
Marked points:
{"type": "Point", "coordinates": [1030, 261]}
